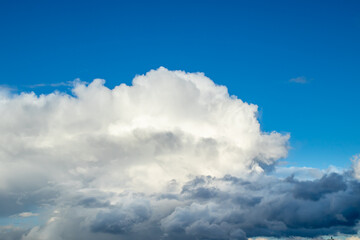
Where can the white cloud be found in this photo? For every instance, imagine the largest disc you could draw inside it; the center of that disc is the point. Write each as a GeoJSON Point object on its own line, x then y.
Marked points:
{"type": "Point", "coordinates": [27, 214]}
{"type": "Point", "coordinates": [301, 80]}
{"type": "Point", "coordinates": [168, 125]}
{"type": "Point", "coordinates": [165, 158]}
{"type": "Point", "coordinates": [59, 84]}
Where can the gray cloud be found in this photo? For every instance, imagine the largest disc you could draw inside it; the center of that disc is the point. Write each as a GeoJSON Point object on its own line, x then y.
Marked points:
{"type": "Point", "coordinates": [11, 232]}
{"type": "Point", "coordinates": [224, 208]}
{"type": "Point", "coordinates": [314, 190]}
{"type": "Point", "coordinates": [121, 219]}
{"type": "Point", "coordinates": [272, 207]}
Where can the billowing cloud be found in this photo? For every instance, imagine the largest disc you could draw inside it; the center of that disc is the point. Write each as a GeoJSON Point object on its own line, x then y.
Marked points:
{"type": "Point", "coordinates": [171, 157]}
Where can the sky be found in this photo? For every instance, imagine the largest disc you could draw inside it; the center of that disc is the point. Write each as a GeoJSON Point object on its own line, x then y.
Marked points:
{"type": "Point", "coordinates": [254, 48]}
{"type": "Point", "coordinates": [230, 88]}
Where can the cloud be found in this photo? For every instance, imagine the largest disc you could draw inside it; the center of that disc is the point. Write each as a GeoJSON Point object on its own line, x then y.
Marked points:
{"type": "Point", "coordinates": [6, 88]}
{"type": "Point", "coordinates": [238, 209]}
{"type": "Point", "coordinates": [154, 129]}
{"type": "Point", "coordinates": [314, 190]}
{"type": "Point", "coordinates": [173, 156]}
{"type": "Point", "coordinates": [270, 207]}
{"type": "Point", "coordinates": [53, 85]}
{"type": "Point", "coordinates": [356, 165]}
{"type": "Point", "coordinates": [9, 232]}
{"type": "Point", "coordinates": [301, 80]}
{"type": "Point", "coordinates": [353, 238]}
{"type": "Point", "coordinates": [27, 214]}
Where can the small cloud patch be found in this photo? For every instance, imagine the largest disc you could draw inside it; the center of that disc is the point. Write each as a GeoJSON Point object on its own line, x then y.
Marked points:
{"type": "Point", "coordinates": [301, 80]}
{"type": "Point", "coordinates": [27, 214]}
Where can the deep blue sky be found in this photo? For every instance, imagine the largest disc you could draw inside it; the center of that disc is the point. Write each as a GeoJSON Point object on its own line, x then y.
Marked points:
{"type": "Point", "coordinates": [252, 47]}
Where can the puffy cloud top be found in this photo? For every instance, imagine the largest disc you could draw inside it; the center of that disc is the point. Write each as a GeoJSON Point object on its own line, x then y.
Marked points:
{"type": "Point", "coordinates": [167, 125]}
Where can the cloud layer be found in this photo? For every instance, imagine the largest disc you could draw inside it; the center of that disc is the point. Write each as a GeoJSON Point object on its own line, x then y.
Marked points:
{"type": "Point", "coordinates": [171, 157]}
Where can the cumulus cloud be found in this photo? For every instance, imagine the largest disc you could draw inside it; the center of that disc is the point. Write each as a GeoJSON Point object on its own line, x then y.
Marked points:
{"type": "Point", "coordinates": [153, 131]}
{"type": "Point", "coordinates": [173, 156]}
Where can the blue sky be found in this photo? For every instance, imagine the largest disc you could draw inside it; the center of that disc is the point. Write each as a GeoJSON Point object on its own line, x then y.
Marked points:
{"type": "Point", "coordinates": [252, 47]}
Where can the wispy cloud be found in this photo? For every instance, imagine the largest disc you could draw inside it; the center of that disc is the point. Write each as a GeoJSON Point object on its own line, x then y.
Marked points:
{"type": "Point", "coordinates": [5, 87]}
{"type": "Point", "coordinates": [301, 80]}
{"type": "Point", "coordinates": [59, 84]}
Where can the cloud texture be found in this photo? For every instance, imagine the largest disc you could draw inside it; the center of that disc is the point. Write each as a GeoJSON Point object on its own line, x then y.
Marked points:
{"type": "Point", "coordinates": [171, 157]}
